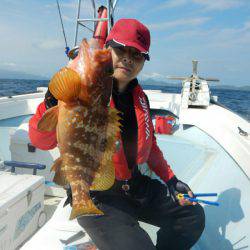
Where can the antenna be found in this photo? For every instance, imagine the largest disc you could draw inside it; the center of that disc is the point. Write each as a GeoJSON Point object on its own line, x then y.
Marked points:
{"type": "Point", "coordinates": [195, 64]}
{"type": "Point", "coordinates": [194, 75]}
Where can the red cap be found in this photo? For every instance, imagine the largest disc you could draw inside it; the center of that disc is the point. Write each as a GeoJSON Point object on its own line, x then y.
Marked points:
{"type": "Point", "coordinates": [130, 32]}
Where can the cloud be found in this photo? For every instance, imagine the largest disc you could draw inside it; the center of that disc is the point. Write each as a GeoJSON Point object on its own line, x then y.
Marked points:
{"type": "Point", "coordinates": [153, 75]}
{"type": "Point", "coordinates": [68, 11]}
{"type": "Point", "coordinates": [207, 5]}
{"type": "Point", "coordinates": [178, 22]}
{"type": "Point", "coordinates": [185, 32]}
{"type": "Point", "coordinates": [219, 4]}
{"type": "Point", "coordinates": [68, 5]}
{"type": "Point", "coordinates": [229, 37]}
{"type": "Point", "coordinates": [50, 44]}
{"type": "Point", "coordinates": [194, 33]}
{"type": "Point", "coordinates": [8, 64]}
{"type": "Point", "coordinates": [124, 9]}
{"type": "Point", "coordinates": [223, 37]}
{"type": "Point", "coordinates": [246, 26]}
{"type": "Point", "coordinates": [73, 5]}
{"type": "Point", "coordinates": [68, 19]}
{"type": "Point", "coordinates": [171, 4]}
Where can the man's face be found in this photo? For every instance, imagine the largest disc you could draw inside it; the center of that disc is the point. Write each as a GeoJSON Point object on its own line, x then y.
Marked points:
{"type": "Point", "coordinates": [127, 63]}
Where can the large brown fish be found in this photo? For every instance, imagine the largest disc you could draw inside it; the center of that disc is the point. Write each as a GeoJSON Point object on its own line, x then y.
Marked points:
{"type": "Point", "coordinates": [86, 127]}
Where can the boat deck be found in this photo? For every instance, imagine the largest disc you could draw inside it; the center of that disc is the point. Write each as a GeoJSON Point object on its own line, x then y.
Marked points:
{"type": "Point", "coordinates": [196, 158]}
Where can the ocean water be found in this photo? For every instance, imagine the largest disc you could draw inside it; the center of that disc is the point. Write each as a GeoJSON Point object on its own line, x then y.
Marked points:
{"type": "Point", "coordinates": [236, 100]}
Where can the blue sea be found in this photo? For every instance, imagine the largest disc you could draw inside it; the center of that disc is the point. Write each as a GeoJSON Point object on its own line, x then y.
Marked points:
{"type": "Point", "coordinates": [236, 100]}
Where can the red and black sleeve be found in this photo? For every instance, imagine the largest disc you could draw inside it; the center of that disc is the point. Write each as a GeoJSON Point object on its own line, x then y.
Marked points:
{"type": "Point", "coordinates": [40, 139]}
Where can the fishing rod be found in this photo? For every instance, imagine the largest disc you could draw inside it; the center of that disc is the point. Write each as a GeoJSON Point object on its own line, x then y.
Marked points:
{"type": "Point", "coordinates": [64, 35]}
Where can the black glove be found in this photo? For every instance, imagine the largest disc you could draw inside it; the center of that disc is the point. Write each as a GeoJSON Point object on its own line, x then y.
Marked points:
{"type": "Point", "coordinates": [176, 186]}
{"type": "Point", "coordinates": [50, 100]}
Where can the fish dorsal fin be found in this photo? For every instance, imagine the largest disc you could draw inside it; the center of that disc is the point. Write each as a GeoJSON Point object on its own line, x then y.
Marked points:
{"type": "Point", "coordinates": [65, 85]}
{"type": "Point", "coordinates": [49, 120]}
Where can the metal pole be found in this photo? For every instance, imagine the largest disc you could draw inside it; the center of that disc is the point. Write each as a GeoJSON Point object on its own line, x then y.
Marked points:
{"type": "Point", "coordinates": [111, 15]}
{"type": "Point", "coordinates": [78, 14]}
{"type": "Point", "coordinates": [108, 14]}
{"type": "Point", "coordinates": [114, 4]}
{"type": "Point", "coordinates": [93, 19]}
{"type": "Point", "coordinates": [94, 14]}
{"type": "Point", "coordinates": [86, 27]}
{"type": "Point", "coordinates": [110, 11]}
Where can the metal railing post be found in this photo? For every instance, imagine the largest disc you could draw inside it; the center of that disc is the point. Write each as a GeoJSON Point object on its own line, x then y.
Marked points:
{"type": "Point", "coordinates": [78, 15]}
{"type": "Point", "coordinates": [110, 11]}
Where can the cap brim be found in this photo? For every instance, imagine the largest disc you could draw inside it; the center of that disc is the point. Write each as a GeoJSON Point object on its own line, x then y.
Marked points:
{"type": "Point", "coordinates": [114, 44]}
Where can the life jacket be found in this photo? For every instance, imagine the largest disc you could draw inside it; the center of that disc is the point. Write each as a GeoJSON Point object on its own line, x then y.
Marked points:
{"type": "Point", "coordinates": [145, 133]}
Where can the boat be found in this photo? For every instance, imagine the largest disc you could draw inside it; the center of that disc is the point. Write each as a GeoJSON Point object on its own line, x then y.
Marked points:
{"type": "Point", "coordinates": [208, 148]}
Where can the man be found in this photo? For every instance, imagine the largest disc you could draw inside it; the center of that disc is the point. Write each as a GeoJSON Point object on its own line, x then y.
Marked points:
{"type": "Point", "coordinates": [134, 196]}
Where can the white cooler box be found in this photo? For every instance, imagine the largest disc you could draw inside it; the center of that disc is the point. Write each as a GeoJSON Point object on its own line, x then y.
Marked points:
{"type": "Point", "coordinates": [19, 141]}
{"type": "Point", "coordinates": [21, 208]}
{"type": "Point", "coordinates": [20, 151]}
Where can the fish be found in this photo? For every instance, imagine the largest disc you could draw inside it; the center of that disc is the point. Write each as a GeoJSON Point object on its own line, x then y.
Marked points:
{"type": "Point", "coordinates": [86, 126]}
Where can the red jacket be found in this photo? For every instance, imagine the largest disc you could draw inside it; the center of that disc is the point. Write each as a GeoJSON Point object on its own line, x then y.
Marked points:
{"type": "Point", "coordinates": [147, 149]}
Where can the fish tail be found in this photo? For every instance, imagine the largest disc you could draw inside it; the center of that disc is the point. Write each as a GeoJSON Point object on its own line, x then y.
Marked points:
{"type": "Point", "coordinates": [65, 85]}
{"type": "Point", "coordinates": [82, 204]}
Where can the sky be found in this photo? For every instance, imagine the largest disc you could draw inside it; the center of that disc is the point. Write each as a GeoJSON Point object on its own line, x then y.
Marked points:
{"type": "Point", "coordinates": [214, 32]}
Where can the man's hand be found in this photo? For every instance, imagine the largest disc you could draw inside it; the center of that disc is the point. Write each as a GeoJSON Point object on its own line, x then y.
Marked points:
{"type": "Point", "coordinates": [175, 187]}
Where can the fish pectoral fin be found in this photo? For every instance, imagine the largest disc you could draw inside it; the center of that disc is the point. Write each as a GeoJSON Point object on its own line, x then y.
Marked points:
{"type": "Point", "coordinates": [49, 120]}
{"type": "Point", "coordinates": [59, 177]}
{"type": "Point", "coordinates": [56, 165]}
{"type": "Point", "coordinates": [65, 85]}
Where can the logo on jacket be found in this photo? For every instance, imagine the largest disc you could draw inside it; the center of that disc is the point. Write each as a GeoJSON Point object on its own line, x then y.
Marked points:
{"type": "Point", "coordinates": [146, 115]}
